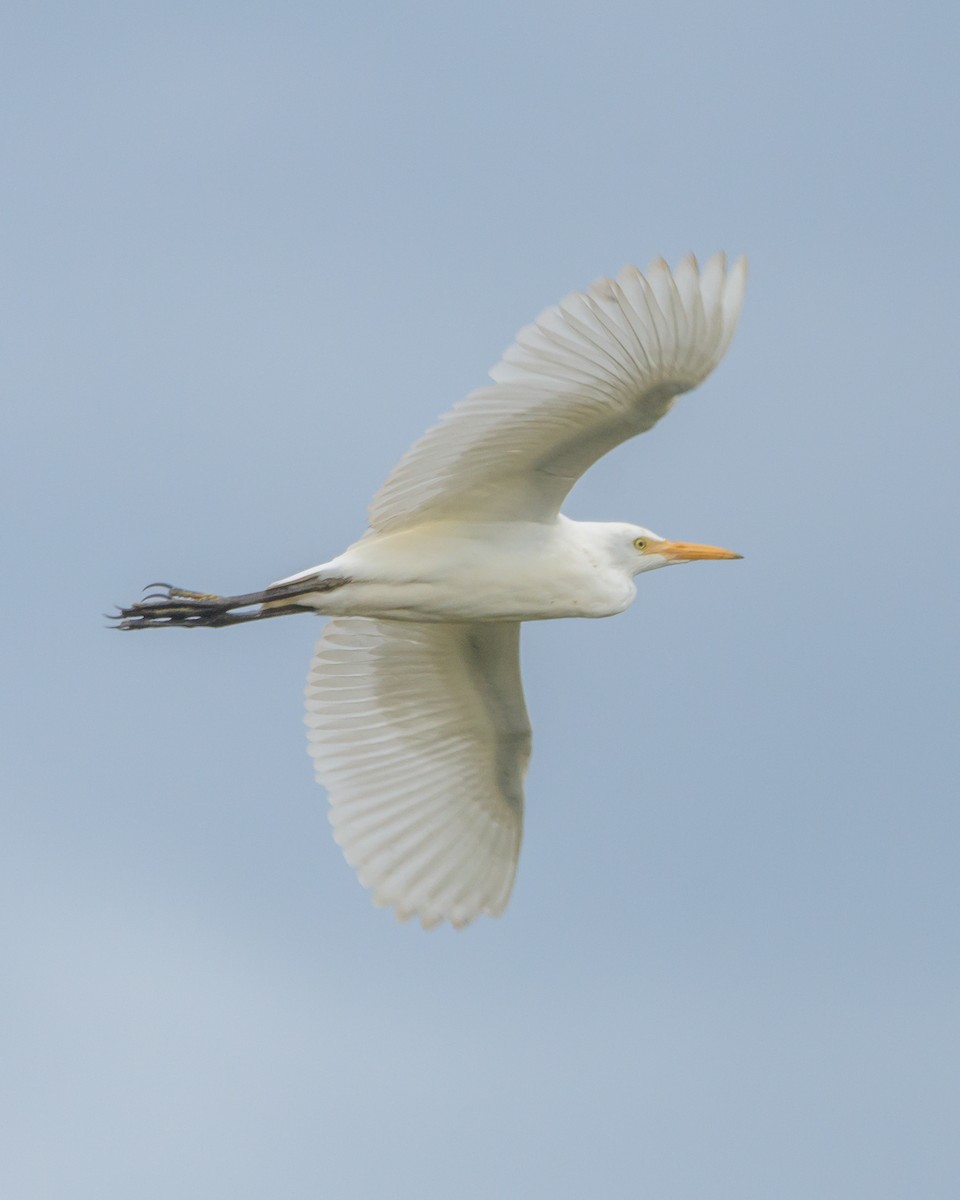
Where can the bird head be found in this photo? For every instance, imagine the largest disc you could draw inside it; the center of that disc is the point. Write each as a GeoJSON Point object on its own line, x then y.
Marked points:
{"type": "Point", "coordinates": [649, 550]}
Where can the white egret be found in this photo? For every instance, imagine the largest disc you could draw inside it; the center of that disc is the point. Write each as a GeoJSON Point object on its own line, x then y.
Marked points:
{"type": "Point", "coordinates": [415, 710]}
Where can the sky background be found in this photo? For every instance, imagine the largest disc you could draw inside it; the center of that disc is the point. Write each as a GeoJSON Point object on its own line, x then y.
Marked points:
{"type": "Point", "coordinates": [248, 253]}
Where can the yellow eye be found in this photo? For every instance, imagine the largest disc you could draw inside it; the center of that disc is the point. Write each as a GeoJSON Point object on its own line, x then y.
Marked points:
{"type": "Point", "coordinates": [640, 543]}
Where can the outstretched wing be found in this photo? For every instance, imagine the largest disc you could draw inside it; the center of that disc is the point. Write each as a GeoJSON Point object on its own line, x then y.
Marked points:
{"type": "Point", "coordinates": [599, 368]}
{"type": "Point", "coordinates": [420, 734]}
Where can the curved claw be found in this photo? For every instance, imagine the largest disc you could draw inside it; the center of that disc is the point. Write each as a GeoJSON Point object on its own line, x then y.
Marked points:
{"type": "Point", "coordinates": [168, 586]}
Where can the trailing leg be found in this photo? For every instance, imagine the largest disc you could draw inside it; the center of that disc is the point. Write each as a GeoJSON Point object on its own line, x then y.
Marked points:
{"type": "Point", "coordinates": [171, 607]}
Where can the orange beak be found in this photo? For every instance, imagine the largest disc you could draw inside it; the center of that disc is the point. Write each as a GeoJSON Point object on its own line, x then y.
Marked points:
{"type": "Point", "coordinates": [679, 552]}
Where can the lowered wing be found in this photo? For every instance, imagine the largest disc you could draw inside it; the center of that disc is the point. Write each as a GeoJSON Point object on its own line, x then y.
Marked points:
{"type": "Point", "coordinates": [420, 734]}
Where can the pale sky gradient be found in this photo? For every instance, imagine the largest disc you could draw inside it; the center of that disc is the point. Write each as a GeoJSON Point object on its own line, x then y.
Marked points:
{"type": "Point", "coordinates": [248, 253]}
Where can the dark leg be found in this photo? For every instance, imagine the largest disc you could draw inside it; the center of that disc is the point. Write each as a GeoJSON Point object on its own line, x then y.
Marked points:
{"type": "Point", "coordinates": [176, 608]}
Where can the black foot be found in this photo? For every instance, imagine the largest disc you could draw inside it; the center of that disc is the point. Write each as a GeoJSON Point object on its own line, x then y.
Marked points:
{"type": "Point", "coordinates": [176, 608]}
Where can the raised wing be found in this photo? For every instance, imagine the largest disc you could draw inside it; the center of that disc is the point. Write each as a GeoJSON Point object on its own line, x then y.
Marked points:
{"type": "Point", "coordinates": [420, 734]}
{"type": "Point", "coordinates": [599, 368]}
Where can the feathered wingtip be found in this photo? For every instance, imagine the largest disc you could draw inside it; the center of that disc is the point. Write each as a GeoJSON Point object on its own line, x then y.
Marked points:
{"type": "Point", "coordinates": [657, 325]}
{"type": "Point", "coordinates": [708, 299]}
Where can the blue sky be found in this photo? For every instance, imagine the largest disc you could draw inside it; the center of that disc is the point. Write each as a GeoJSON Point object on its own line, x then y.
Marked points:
{"type": "Point", "coordinates": [249, 252]}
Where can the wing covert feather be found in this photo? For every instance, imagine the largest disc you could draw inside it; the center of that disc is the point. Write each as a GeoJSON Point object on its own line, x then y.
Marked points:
{"type": "Point", "coordinates": [600, 367]}
{"type": "Point", "coordinates": [420, 734]}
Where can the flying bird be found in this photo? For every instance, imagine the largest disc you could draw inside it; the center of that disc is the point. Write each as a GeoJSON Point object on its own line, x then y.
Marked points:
{"type": "Point", "coordinates": [415, 712]}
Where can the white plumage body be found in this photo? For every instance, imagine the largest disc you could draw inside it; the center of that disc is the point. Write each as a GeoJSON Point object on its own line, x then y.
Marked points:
{"type": "Point", "coordinates": [480, 571]}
